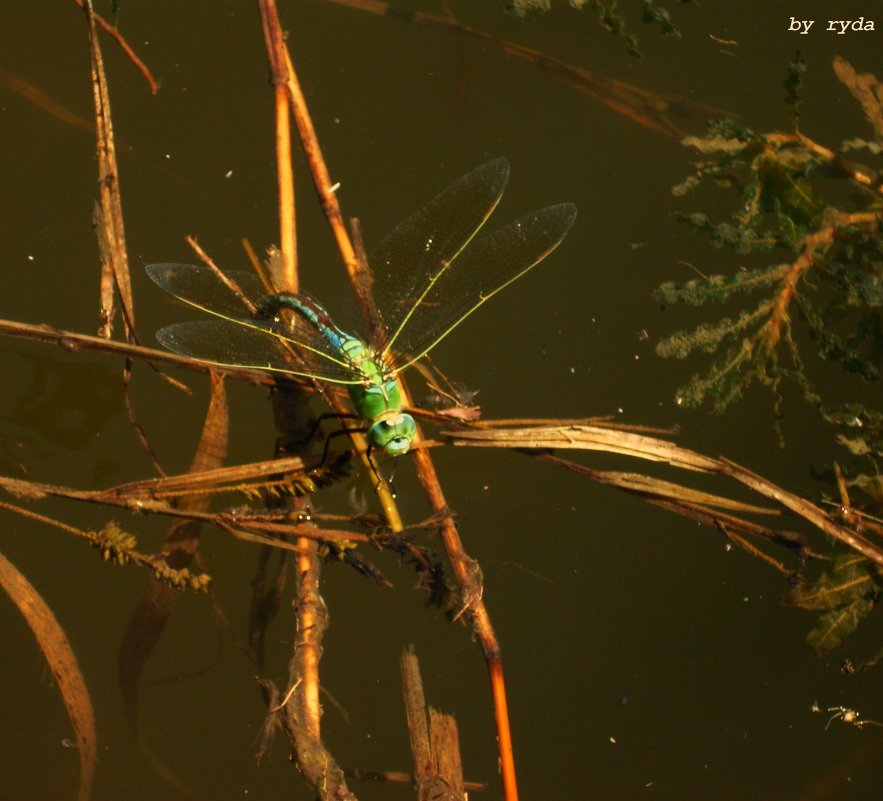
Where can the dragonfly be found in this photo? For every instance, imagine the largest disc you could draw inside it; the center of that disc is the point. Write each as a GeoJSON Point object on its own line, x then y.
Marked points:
{"type": "Point", "coordinates": [428, 275]}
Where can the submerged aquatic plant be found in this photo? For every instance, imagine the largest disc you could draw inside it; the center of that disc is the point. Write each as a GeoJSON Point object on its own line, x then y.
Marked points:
{"type": "Point", "coordinates": [609, 17]}
{"type": "Point", "coordinates": [816, 277]}
{"type": "Point", "coordinates": [829, 278]}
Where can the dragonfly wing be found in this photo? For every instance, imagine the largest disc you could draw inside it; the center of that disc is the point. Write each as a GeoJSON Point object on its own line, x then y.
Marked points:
{"type": "Point", "coordinates": [225, 342]}
{"type": "Point", "coordinates": [293, 345]}
{"type": "Point", "coordinates": [203, 288]}
{"type": "Point", "coordinates": [410, 258]}
{"type": "Point", "coordinates": [490, 263]}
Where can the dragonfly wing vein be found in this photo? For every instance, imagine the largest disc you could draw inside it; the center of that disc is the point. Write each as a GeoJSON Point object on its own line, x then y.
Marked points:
{"type": "Point", "coordinates": [224, 342]}
{"type": "Point", "coordinates": [489, 264]}
{"type": "Point", "coordinates": [411, 258]}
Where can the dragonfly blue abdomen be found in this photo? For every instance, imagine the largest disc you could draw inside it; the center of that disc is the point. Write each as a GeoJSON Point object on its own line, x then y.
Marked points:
{"type": "Point", "coordinates": [269, 307]}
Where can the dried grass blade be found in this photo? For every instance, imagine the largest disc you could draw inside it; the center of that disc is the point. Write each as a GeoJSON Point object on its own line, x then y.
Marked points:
{"type": "Point", "coordinates": [804, 509]}
{"type": "Point", "coordinates": [668, 490]}
{"type": "Point", "coordinates": [111, 234]}
{"type": "Point", "coordinates": [57, 650]}
{"type": "Point", "coordinates": [587, 438]}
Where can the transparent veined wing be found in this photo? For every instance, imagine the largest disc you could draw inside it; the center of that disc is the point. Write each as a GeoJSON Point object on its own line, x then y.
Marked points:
{"type": "Point", "coordinates": [226, 343]}
{"type": "Point", "coordinates": [490, 263]}
{"type": "Point", "coordinates": [409, 259]}
{"type": "Point", "coordinates": [201, 287]}
{"type": "Point", "coordinates": [292, 346]}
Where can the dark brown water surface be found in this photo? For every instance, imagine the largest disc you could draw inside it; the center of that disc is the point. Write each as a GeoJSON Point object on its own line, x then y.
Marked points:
{"type": "Point", "coordinates": [644, 659]}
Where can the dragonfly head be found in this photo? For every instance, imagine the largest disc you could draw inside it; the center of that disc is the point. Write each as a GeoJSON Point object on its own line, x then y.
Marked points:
{"type": "Point", "coordinates": [393, 433]}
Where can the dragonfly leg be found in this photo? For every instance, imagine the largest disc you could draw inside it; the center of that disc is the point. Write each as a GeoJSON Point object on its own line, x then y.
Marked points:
{"type": "Point", "coordinates": [380, 480]}
{"type": "Point", "coordinates": [371, 462]}
{"type": "Point", "coordinates": [317, 422]}
{"type": "Point", "coordinates": [338, 433]}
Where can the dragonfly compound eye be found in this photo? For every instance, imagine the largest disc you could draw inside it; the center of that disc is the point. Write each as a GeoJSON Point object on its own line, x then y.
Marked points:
{"type": "Point", "coordinates": [393, 434]}
{"type": "Point", "coordinates": [398, 446]}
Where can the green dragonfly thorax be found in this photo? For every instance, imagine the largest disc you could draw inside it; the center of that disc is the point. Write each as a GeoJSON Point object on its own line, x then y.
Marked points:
{"type": "Point", "coordinates": [379, 400]}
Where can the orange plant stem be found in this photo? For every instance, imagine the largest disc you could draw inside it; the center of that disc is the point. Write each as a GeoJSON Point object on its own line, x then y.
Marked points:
{"type": "Point", "coordinates": [465, 570]}
{"type": "Point", "coordinates": [276, 55]}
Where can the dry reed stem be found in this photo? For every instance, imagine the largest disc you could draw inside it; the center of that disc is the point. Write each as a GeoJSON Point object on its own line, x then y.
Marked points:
{"type": "Point", "coordinates": [275, 45]}
{"type": "Point", "coordinates": [124, 45]}
{"type": "Point", "coordinates": [318, 168]}
{"type": "Point", "coordinates": [435, 746]}
{"type": "Point", "coordinates": [331, 208]}
{"type": "Point", "coordinates": [463, 566]}
{"type": "Point", "coordinates": [74, 341]}
{"type": "Point", "coordinates": [464, 569]}
{"type": "Point", "coordinates": [221, 479]}
{"type": "Point", "coordinates": [303, 709]}
{"type": "Point", "coordinates": [312, 621]}
{"type": "Point", "coordinates": [222, 277]}
{"type": "Point", "coordinates": [111, 230]}
{"type": "Point", "coordinates": [243, 527]}
{"type": "Point", "coordinates": [107, 540]}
